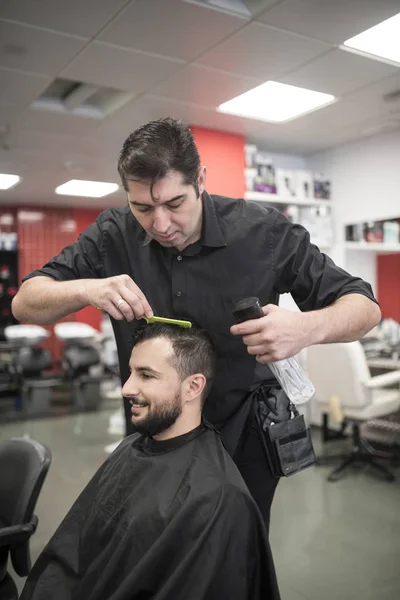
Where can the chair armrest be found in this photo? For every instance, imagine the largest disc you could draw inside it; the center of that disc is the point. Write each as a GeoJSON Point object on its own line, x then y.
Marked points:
{"type": "Point", "coordinates": [17, 533]}
{"type": "Point", "coordinates": [383, 380]}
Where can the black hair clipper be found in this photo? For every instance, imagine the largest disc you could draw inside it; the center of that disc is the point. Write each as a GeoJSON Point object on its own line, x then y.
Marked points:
{"type": "Point", "coordinates": [249, 308]}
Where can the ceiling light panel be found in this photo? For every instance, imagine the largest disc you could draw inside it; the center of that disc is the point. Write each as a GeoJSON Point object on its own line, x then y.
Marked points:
{"type": "Point", "coordinates": [88, 189]}
{"type": "Point", "coordinates": [8, 181]}
{"type": "Point", "coordinates": [275, 102]}
{"type": "Point", "coordinates": [381, 42]}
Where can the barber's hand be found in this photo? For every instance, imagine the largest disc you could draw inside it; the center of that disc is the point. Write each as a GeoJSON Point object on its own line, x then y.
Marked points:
{"type": "Point", "coordinates": [119, 296]}
{"type": "Point", "coordinates": [279, 334]}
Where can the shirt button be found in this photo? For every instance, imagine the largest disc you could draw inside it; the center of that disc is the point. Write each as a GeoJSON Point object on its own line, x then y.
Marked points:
{"type": "Point", "coordinates": [179, 257]}
{"type": "Point", "coordinates": [179, 293]}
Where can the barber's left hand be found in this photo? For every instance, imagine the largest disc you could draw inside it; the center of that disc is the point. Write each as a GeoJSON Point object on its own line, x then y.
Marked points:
{"type": "Point", "coordinates": [281, 333]}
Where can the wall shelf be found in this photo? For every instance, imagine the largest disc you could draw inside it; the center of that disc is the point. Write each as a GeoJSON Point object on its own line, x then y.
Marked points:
{"type": "Point", "coordinates": [276, 199]}
{"type": "Point", "coordinates": [379, 247]}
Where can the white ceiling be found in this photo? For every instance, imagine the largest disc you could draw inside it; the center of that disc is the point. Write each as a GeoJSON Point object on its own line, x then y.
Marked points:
{"type": "Point", "coordinates": [178, 58]}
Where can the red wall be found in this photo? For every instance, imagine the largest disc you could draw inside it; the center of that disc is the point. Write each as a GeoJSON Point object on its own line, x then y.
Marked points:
{"type": "Point", "coordinates": [41, 238]}
{"type": "Point", "coordinates": [223, 155]}
{"type": "Point", "coordinates": [388, 292]}
{"type": "Point", "coordinates": [83, 218]}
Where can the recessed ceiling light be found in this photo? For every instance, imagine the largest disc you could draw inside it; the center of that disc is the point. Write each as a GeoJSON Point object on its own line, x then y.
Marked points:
{"type": "Point", "coordinates": [380, 42]}
{"type": "Point", "coordinates": [8, 181]}
{"type": "Point", "coordinates": [90, 189]}
{"type": "Point", "coordinates": [275, 102]}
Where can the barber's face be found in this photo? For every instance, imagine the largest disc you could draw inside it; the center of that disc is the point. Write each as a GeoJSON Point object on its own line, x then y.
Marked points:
{"type": "Point", "coordinates": [154, 388]}
{"type": "Point", "coordinates": [172, 215]}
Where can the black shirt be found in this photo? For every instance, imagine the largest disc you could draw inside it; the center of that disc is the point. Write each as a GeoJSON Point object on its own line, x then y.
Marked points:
{"type": "Point", "coordinates": [245, 250]}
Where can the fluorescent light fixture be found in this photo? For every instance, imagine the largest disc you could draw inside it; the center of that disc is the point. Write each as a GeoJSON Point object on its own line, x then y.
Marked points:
{"type": "Point", "coordinates": [381, 41]}
{"type": "Point", "coordinates": [30, 216]}
{"type": "Point", "coordinates": [275, 102]}
{"type": "Point", "coordinates": [68, 226]}
{"type": "Point", "coordinates": [7, 219]}
{"type": "Point", "coordinates": [8, 181]}
{"type": "Point", "coordinates": [90, 189]}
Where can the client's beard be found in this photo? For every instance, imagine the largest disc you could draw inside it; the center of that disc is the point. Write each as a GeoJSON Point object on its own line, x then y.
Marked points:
{"type": "Point", "coordinates": [159, 418]}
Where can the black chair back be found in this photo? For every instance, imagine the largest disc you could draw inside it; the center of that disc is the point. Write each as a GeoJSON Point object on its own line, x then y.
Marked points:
{"type": "Point", "coordinates": [24, 464]}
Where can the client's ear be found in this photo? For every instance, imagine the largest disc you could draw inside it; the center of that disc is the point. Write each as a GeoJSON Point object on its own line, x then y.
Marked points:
{"type": "Point", "coordinates": [194, 386]}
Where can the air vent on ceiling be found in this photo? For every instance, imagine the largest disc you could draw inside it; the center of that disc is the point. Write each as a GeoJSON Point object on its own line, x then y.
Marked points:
{"type": "Point", "coordinates": [243, 8]}
{"type": "Point", "coordinates": [392, 96]}
{"type": "Point", "coordinates": [81, 99]}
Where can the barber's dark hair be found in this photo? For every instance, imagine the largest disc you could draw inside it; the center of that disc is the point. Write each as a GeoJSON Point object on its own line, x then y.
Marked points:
{"type": "Point", "coordinates": [156, 148]}
{"type": "Point", "coordinates": [193, 350]}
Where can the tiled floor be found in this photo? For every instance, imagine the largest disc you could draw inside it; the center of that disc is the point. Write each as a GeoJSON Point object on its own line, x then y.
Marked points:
{"type": "Point", "coordinates": [331, 541]}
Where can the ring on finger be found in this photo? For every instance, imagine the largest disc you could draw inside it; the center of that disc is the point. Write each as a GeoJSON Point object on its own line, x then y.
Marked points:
{"type": "Point", "coordinates": [120, 302]}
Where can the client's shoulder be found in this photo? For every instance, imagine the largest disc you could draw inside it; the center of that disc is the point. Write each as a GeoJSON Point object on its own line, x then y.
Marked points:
{"type": "Point", "coordinates": [219, 488]}
{"type": "Point", "coordinates": [219, 472]}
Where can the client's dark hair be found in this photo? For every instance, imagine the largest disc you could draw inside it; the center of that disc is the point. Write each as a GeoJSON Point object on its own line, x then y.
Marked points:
{"type": "Point", "coordinates": [193, 350]}
{"type": "Point", "coordinates": [156, 148]}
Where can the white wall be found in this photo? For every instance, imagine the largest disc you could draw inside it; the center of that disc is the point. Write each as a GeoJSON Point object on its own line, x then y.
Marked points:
{"type": "Point", "coordinates": [365, 179]}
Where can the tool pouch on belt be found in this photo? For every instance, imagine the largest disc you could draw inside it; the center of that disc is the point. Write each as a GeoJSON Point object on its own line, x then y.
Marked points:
{"type": "Point", "coordinates": [284, 434]}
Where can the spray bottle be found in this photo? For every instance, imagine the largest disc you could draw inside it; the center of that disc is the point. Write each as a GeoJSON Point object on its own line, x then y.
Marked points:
{"type": "Point", "coordinates": [291, 376]}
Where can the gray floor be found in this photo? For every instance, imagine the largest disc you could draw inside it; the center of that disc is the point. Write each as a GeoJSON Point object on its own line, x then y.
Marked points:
{"type": "Point", "coordinates": [330, 540]}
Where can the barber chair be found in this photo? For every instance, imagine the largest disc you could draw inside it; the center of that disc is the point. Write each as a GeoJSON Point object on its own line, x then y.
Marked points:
{"type": "Point", "coordinates": [340, 370]}
{"type": "Point", "coordinates": [28, 366]}
{"type": "Point", "coordinates": [80, 357]}
{"type": "Point", "coordinates": [24, 464]}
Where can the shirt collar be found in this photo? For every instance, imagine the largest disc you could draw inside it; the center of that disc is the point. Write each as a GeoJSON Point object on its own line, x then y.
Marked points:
{"type": "Point", "coordinates": [211, 233]}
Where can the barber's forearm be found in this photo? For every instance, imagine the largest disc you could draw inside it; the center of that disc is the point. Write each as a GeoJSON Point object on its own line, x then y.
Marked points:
{"type": "Point", "coordinates": [44, 301]}
{"type": "Point", "coordinates": [346, 320]}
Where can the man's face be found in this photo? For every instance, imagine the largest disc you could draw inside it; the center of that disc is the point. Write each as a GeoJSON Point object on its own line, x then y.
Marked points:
{"type": "Point", "coordinates": [154, 388]}
{"type": "Point", "coordinates": [173, 216]}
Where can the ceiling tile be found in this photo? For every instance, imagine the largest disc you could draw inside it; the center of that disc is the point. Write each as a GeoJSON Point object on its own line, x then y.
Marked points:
{"type": "Point", "coordinates": [262, 52]}
{"type": "Point", "coordinates": [149, 107]}
{"type": "Point", "coordinates": [170, 28]}
{"type": "Point", "coordinates": [144, 109]}
{"type": "Point", "coordinates": [8, 114]}
{"type": "Point", "coordinates": [211, 119]}
{"type": "Point", "coordinates": [338, 72]}
{"type": "Point", "coordinates": [36, 50]}
{"type": "Point", "coordinates": [372, 96]}
{"type": "Point", "coordinates": [333, 124]}
{"type": "Point", "coordinates": [120, 68]}
{"type": "Point", "coordinates": [17, 91]}
{"type": "Point", "coordinates": [304, 143]}
{"type": "Point", "coordinates": [329, 20]}
{"type": "Point", "coordinates": [35, 142]}
{"type": "Point", "coordinates": [122, 122]}
{"type": "Point", "coordinates": [47, 121]}
{"type": "Point", "coordinates": [202, 85]}
{"type": "Point", "coordinates": [72, 16]}
{"type": "Point", "coordinates": [334, 117]}
{"type": "Point", "coordinates": [32, 150]}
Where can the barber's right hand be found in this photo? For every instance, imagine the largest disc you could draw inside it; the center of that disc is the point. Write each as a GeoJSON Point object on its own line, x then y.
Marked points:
{"type": "Point", "coordinates": [119, 296]}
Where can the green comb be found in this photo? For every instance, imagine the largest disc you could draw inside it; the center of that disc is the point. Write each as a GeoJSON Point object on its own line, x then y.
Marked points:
{"type": "Point", "coordinates": [186, 324]}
